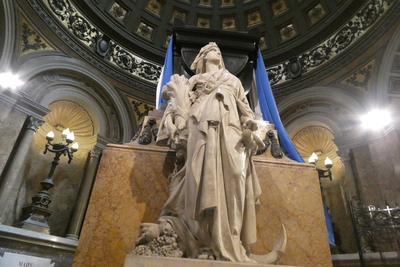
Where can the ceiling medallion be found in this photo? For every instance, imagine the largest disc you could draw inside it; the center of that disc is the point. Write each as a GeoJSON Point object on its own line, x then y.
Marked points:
{"type": "Point", "coordinates": [118, 12]}
{"type": "Point", "coordinates": [203, 22]}
{"type": "Point", "coordinates": [278, 6]}
{"type": "Point", "coordinates": [287, 32]}
{"type": "Point", "coordinates": [253, 17]}
{"type": "Point", "coordinates": [228, 23]}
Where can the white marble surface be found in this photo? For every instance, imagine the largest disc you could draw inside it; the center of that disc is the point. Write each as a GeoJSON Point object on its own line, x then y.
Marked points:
{"type": "Point", "coordinates": [142, 261]}
{"type": "Point", "coordinates": [18, 234]}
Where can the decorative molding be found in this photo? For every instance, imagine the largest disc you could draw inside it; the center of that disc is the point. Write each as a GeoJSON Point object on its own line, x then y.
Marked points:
{"type": "Point", "coordinates": [361, 77]}
{"type": "Point", "coordinates": [90, 36]}
{"type": "Point", "coordinates": [29, 107]}
{"type": "Point", "coordinates": [316, 13]}
{"type": "Point", "coordinates": [67, 114]}
{"type": "Point", "coordinates": [33, 123]}
{"type": "Point", "coordinates": [119, 74]}
{"type": "Point", "coordinates": [316, 139]}
{"type": "Point", "coordinates": [96, 151]}
{"type": "Point", "coordinates": [118, 11]}
{"type": "Point", "coordinates": [394, 85]}
{"type": "Point", "coordinates": [140, 109]}
{"type": "Point", "coordinates": [337, 43]}
{"type": "Point", "coordinates": [396, 64]}
{"type": "Point", "coordinates": [279, 74]}
{"type": "Point", "coordinates": [31, 40]}
{"type": "Point", "coordinates": [316, 74]}
{"type": "Point", "coordinates": [278, 6]}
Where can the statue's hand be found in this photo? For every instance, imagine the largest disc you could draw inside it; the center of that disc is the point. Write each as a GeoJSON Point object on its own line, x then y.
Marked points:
{"type": "Point", "coordinates": [148, 231]}
{"type": "Point", "coordinates": [251, 125]}
{"type": "Point", "coordinates": [170, 128]}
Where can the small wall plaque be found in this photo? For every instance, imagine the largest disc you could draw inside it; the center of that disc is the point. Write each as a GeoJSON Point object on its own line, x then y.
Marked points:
{"type": "Point", "coordinates": [19, 260]}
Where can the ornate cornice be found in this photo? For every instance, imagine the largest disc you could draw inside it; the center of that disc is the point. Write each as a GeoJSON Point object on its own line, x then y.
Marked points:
{"type": "Point", "coordinates": [311, 65]}
{"type": "Point", "coordinates": [90, 43]}
{"type": "Point", "coordinates": [317, 62]}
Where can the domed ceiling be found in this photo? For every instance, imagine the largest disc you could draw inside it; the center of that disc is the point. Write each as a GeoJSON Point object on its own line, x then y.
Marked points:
{"type": "Point", "coordinates": [297, 37]}
{"type": "Point", "coordinates": [286, 26]}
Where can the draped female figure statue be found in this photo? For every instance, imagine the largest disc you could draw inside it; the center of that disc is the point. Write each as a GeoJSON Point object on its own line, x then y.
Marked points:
{"type": "Point", "coordinates": [213, 197]}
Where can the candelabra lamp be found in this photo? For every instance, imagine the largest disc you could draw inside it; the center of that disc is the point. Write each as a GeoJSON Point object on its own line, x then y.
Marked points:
{"type": "Point", "coordinates": [328, 165]}
{"type": "Point", "coordinates": [35, 215]}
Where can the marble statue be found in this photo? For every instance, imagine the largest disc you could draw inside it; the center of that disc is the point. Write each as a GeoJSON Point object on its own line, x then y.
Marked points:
{"type": "Point", "coordinates": [215, 190]}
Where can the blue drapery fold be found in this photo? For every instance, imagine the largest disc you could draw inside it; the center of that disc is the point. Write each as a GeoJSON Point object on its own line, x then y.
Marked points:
{"type": "Point", "coordinates": [166, 72]}
{"type": "Point", "coordinates": [270, 110]}
{"type": "Point", "coordinates": [329, 226]}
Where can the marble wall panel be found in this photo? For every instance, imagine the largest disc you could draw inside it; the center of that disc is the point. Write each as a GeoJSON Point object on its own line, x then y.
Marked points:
{"type": "Point", "coordinates": [366, 175]}
{"type": "Point", "coordinates": [292, 197]}
{"type": "Point", "coordinates": [131, 187]}
{"type": "Point", "coordinates": [378, 170]}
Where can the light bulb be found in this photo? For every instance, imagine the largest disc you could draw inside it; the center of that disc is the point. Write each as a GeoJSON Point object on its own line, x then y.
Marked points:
{"type": "Point", "coordinates": [9, 80]}
{"type": "Point", "coordinates": [312, 158]}
{"type": "Point", "coordinates": [376, 119]}
{"type": "Point", "coordinates": [50, 134]}
{"type": "Point", "coordinates": [328, 163]}
{"type": "Point", "coordinates": [66, 132]}
{"type": "Point", "coordinates": [71, 136]}
{"type": "Point", "coordinates": [75, 147]}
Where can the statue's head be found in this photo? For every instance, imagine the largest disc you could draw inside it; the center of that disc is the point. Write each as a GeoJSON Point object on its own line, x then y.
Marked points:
{"type": "Point", "coordinates": [199, 63]}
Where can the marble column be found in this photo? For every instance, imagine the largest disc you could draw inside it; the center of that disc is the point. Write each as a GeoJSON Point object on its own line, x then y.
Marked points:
{"type": "Point", "coordinates": [84, 194]}
{"type": "Point", "coordinates": [12, 178]}
{"type": "Point", "coordinates": [351, 184]}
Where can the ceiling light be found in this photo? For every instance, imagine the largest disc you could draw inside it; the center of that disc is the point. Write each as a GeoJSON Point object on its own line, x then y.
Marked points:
{"type": "Point", "coordinates": [9, 80]}
{"type": "Point", "coordinates": [376, 119]}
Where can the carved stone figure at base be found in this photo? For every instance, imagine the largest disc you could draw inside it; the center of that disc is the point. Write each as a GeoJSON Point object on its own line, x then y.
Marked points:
{"type": "Point", "coordinates": [213, 197]}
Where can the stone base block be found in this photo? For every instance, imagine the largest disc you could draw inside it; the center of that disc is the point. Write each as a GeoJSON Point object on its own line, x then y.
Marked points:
{"type": "Point", "coordinates": [131, 187]}
{"type": "Point", "coordinates": [142, 261]}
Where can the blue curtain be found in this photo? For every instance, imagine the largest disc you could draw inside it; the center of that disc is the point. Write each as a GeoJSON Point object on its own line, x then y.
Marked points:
{"type": "Point", "coordinates": [166, 73]}
{"type": "Point", "coordinates": [270, 110]}
{"type": "Point", "coordinates": [329, 226]}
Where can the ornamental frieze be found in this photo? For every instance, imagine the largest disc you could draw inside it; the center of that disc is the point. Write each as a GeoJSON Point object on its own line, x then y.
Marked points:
{"type": "Point", "coordinates": [132, 64]}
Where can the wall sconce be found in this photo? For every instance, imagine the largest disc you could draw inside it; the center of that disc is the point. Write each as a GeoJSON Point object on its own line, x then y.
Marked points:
{"type": "Point", "coordinates": [37, 214]}
{"type": "Point", "coordinates": [322, 173]}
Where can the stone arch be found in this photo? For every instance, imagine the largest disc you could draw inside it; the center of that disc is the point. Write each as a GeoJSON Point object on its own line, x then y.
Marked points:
{"type": "Point", "coordinates": [388, 81]}
{"type": "Point", "coordinates": [56, 78]}
{"type": "Point", "coordinates": [7, 39]}
{"type": "Point", "coordinates": [329, 107]}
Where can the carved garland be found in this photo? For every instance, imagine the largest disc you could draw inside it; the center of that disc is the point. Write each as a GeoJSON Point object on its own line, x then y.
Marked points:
{"type": "Point", "coordinates": [278, 74]}
{"type": "Point", "coordinates": [102, 44]}
{"type": "Point", "coordinates": [333, 46]}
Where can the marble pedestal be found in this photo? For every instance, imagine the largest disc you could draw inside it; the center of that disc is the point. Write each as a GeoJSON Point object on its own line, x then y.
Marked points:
{"type": "Point", "coordinates": [131, 187]}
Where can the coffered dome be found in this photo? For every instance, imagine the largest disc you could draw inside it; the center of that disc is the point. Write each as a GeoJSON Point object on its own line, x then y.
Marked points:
{"type": "Point", "coordinates": [287, 27]}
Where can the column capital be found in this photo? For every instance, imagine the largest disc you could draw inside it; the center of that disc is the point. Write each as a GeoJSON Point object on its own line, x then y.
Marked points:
{"type": "Point", "coordinates": [33, 123]}
{"type": "Point", "coordinates": [344, 154]}
{"type": "Point", "coordinates": [96, 151]}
